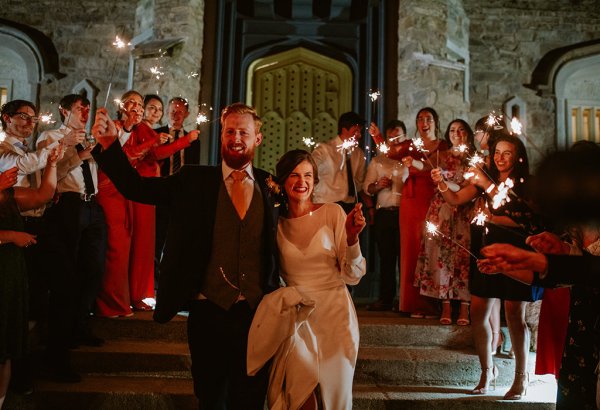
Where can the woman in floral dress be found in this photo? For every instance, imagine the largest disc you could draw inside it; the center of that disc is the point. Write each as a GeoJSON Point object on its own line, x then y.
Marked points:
{"type": "Point", "coordinates": [443, 266]}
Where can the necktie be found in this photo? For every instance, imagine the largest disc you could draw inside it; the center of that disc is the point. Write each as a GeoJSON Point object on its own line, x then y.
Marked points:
{"type": "Point", "coordinates": [87, 173]}
{"type": "Point", "coordinates": [351, 188]}
{"type": "Point", "coordinates": [176, 156]}
{"type": "Point", "coordinates": [237, 193]}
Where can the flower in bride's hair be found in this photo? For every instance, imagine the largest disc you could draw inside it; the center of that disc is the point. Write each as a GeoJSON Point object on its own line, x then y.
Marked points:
{"type": "Point", "coordinates": [274, 190]}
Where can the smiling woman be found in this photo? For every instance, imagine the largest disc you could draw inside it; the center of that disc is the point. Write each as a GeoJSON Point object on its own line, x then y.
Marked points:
{"type": "Point", "coordinates": [319, 255]}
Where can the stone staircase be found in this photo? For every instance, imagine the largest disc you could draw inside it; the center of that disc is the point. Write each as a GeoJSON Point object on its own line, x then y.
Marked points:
{"type": "Point", "coordinates": [403, 364]}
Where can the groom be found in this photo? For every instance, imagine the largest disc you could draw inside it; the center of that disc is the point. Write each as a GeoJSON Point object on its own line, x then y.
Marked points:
{"type": "Point", "coordinates": [220, 255]}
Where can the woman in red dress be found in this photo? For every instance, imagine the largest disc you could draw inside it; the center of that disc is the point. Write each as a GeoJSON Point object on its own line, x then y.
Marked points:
{"type": "Point", "coordinates": [129, 271]}
{"type": "Point", "coordinates": [416, 197]}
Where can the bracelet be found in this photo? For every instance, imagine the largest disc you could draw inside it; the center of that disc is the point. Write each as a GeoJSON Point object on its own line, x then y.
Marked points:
{"type": "Point", "coordinates": [440, 189]}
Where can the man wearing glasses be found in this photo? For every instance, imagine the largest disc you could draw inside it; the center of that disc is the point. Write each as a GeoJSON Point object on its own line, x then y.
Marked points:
{"type": "Point", "coordinates": [19, 118]}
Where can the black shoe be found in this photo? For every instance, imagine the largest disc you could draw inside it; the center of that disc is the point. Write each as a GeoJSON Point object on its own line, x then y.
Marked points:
{"type": "Point", "coordinates": [379, 306]}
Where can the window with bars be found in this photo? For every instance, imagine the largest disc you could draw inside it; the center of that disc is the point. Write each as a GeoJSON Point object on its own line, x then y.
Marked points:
{"type": "Point", "coordinates": [585, 122]}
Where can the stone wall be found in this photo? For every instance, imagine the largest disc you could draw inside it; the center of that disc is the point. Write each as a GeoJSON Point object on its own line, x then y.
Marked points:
{"type": "Point", "coordinates": [430, 73]}
{"type": "Point", "coordinates": [508, 39]}
{"type": "Point", "coordinates": [83, 32]}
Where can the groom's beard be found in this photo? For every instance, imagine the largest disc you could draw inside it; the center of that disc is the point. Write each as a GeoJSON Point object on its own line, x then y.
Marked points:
{"type": "Point", "coordinates": [237, 159]}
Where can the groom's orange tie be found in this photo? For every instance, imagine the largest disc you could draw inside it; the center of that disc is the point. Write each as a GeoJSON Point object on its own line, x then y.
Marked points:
{"type": "Point", "coordinates": [237, 193]}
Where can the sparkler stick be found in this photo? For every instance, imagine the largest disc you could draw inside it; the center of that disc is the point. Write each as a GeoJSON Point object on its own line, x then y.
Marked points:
{"type": "Point", "coordinates": [119, 44]}
{"type": "Point", "coordinates": [433, 230]}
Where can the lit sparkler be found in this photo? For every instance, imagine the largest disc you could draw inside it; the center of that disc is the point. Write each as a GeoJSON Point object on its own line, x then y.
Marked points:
{"type": "Point", "coordinates": [433, 230]}
{"type": "Point", "coordinates": [383, 148]}
{"type": "Point", "coordinates": [516, 126]}
{"type": "Point", "coordinates": [480, 218]}
{"type": "Point", "coordinates": [374, 95]}
{"type": "Point", "coordinates": [201, 118]}
{"type": "Point", "coordinates": [119, 45]}
{"type": "Point", "coordinates": [501, 197]}
{"type": "Point", "coordinates": [157, 72]}
{"type": "Point", "coordinates": [46, 118]}
{"type": "Point", "coordinates": [309, 142]}
{"type": "Point", "coordinates": [348, 145]}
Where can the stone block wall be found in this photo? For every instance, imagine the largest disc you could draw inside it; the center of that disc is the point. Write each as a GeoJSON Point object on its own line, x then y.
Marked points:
{"type": "Point", "coordinates": [507, 40]}
{"type": "Point", "coordinates": [83, 31]}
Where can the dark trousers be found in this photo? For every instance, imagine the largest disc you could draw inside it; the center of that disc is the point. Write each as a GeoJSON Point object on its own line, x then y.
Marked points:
{"type": "Point", "coordinates": [387, 236]}
{"type": "Point", "coordinates": [78, 249]}
{"type": "Point", "coordinates": [218, 343]}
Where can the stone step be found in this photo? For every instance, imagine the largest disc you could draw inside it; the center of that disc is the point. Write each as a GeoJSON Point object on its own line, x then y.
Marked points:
{"type": "Point", "coordinates": [541, 395]}
{"type": "Point", "coordinates": [134, 357]}
{"type": "Point", "coordinates": [394, 365]}
{"type": "Point", "coordinates": [376, 328]}
{"type": "Point", "coordinates": [132, 393]}
{"type": "Point", "coordinates": [427, 366]}
{"type": "Point", "coordinates": [141, 326]}
{"type": "Point", "coordinates": [390, 329]}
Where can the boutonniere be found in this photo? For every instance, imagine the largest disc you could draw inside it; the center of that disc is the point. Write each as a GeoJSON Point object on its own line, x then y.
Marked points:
{"type": "Point", "coordinates": [274, 190]}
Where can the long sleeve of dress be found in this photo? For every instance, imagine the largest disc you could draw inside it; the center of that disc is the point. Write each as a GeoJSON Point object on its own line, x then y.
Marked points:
{"type": "Point", "coordinates": [353, 265]}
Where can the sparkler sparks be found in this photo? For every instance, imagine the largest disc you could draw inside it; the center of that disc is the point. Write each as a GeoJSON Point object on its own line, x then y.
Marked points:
{"type": "Point", "coordinates": [348, 145]}
{"type": "Point", "coordinates": [201, 118]}
{"type": "Point", "coordinates": [479, 218]}
{"type": "Point", "coordinates": [501, 196]}
{"type": "Point", "coordinates": [309, 142]}
{"type": "Point", "coordinates": [46, 118]}
{"type": "Point", "coordinates": [374, 95]}
{"type": "Point", "coordinates": [119, 43]}
{"type": "Point", "coordinates": [157, 72]}
{"type": "Point", "coordinates": [383, 148]}
{"type": "Point", "coordinates": [475, 160]}
{"type": "Point", "coordinates": [192, 74]}
{"type": "Point", "coordinates": [516, 126]}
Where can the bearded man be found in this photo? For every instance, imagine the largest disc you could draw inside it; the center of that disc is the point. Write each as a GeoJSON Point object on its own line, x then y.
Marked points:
{"type": "Point", "coordinates": [220, 256]}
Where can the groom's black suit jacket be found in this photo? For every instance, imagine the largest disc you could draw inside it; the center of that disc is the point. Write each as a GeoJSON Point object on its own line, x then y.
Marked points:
{"type": "Point", "coordinates": [191, 196]}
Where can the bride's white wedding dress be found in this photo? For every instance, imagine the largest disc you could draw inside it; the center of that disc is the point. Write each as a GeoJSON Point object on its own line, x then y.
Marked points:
{"type": "Point", "coordinates": [310, 328]}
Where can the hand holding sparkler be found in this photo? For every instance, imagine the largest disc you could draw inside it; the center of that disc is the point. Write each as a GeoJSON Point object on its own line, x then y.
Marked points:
{"type": "Point", "coordinates": [104, 130]}
{"type": "Point", "coordinates": [193, 135]}
{"type": "Point", "coordinates": [355, 223]}
{"type": "Point", "coordinates": [505, 258]}
{"type": "Point", "coordinates": [547, 242]}
{"type": "Point", "coordinates": [375, 133]}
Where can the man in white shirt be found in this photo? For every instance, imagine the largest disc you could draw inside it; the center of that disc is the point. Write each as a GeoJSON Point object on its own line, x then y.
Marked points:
{"type": "Point", "coordinates": [19, 118]}
{"type": "Point", "coordinates": [78, 232]}
{"type": "Point", "coordinates": [339, 182]}
{"type": "Point", "coordinates": [384, 180]}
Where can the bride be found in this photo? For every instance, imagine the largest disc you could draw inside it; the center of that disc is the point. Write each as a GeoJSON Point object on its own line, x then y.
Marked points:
{"type": "Point", "coordinates": [309, 328]}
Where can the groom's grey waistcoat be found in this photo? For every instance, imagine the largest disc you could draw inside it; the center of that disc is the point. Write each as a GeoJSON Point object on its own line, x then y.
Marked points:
{"type": "Point", "coordinates": [237, 253]}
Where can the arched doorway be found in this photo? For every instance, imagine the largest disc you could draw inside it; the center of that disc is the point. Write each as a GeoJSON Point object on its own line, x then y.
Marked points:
{"type": "Point", "coordinates": [27, 58]}
{"type": "Point", "coordinates": [299, 94]}
{"type": "Point", "coordinates": [570, 75]}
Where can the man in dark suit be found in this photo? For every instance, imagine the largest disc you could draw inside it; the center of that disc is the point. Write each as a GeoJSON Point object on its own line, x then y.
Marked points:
{"type": "Point", "coordinates": [177, 112]}
{"type": "Point", "coordinates": [220, 255]}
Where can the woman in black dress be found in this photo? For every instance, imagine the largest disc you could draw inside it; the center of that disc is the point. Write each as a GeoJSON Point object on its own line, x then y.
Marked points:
{"type": "Point", "coordinates": [509, 221]}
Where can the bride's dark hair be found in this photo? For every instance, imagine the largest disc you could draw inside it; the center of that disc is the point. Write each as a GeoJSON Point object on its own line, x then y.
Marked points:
{"type": "Point", "coordinates": [290, 160]}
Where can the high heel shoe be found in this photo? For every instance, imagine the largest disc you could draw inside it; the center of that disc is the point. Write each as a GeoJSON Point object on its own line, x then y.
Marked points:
{"type": "Point", "coordinates": [484, 385]}
{"type": "Point", "coordinates": [464, 321]}
{"type": "Point", "coordinates": [518, 390]}
{"type": "Point", "coordinates": [498, 348]}
{"type": "Point", "coordinates": [446, 318]}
